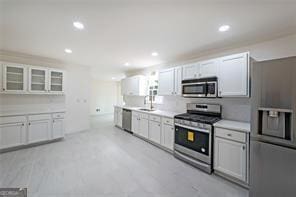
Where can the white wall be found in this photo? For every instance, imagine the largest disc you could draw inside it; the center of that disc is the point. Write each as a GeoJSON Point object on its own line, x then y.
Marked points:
{"type": "Point", "coordinates": [75, 100]}
{"type": "Point", "coordinates": [104, 95]}
{"type": "Point", "coordinates": [232, 108]}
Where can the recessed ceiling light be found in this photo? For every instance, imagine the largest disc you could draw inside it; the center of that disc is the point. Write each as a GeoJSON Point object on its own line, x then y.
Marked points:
{"type": "Point", "coordinates": [127, 64]}
{"type": "Point", "coordinates": [154, 54]}
{"type": "Point", "coordinates": [224, 28]}
{"type": "Point", "coordinates": [78, 25]}
{"type": "Point", "coordinates": [68, 50]}
{"type": "Point", "coordinates": [113, 78]}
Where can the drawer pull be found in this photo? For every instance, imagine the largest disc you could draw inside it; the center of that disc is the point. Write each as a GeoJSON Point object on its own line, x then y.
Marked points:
{"type": "Point", "coordinates": [229, 135]}
{"type": "Point", "coordinates": [243, 147]}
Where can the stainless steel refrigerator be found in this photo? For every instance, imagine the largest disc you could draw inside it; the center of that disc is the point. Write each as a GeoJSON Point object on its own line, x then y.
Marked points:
{"type": "Point", "coordinates": [273, 132]}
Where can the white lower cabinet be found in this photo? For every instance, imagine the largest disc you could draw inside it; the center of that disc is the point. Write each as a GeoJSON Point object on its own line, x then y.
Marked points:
{"type": "Point", "coordinates": [230, 156]}
{"type": "Point", "coordinates": [167, 137]}
{"type": "Point", "coordinates": [12, 134]}
{"type": "Point", "coordinates": [135, 123]}
{"type": "Point", "coordinates": [57, 128]}
{"type": "Point", "coordinates": [38, 130]}
{"type": "Point", "coordinates": [118, 116]}
{"type": "Point", "coordinates": [154, 131]}
{"type": "Point", "coordinates": [144, 127]}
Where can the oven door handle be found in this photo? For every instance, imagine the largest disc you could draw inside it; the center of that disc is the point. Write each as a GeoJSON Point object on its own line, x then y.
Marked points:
{"type": "Point", "coordinates": [192, 128]}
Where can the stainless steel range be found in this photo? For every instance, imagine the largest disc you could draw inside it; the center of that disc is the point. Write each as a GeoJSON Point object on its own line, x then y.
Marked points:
{"type": "Point", "coordinates": [194, 134]}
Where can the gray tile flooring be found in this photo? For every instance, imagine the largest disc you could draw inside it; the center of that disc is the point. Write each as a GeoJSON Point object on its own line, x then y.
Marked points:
{"type": "Point", "coordinates": [107, 161]}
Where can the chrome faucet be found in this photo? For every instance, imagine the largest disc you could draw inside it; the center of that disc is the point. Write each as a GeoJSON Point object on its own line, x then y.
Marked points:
{"type": "Point", "coordinates": [151, 106]}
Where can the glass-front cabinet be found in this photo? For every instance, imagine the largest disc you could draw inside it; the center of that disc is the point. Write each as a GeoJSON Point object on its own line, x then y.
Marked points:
{"type": "Point", "coordinates": [14, 78]}
{"type": "Point", "coordinates": [38, 79]}
{"type": "Point", "coordinates": [56, 81]}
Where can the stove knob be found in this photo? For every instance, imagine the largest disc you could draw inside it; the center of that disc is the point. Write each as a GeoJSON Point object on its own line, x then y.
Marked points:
{"type": "Point", "coordinates": [203, 150]}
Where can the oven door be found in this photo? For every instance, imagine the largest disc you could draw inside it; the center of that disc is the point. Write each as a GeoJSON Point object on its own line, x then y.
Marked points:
{"type": "Point", "coordinates": [212, 89]}
{"type": "Point", "coordinates": [194, 89]}
{"type": "Point", "coordinates": [193, 142]}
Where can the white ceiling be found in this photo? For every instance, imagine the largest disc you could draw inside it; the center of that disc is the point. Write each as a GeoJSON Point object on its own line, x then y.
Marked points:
{"type": "Point", "coordinates": [119, 31]}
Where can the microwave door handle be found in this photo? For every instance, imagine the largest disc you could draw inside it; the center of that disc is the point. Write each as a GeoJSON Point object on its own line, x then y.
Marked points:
{"type": "Point", "coordinates": [192, 128]}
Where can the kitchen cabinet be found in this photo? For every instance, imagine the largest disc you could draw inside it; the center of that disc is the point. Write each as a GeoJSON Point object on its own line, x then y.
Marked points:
{"type": "Point", "coordinates": [39, 128]}
{"type": "Point", "coordinates": [12, 134]}
{"type": "Point", "coordinates": [170, 81]}
{"type": "Point", "coordinates": [191, 71]}
{"type": "Point", "coordinates": [231, 154]}
{"type": "Point", "coordinates": [144, 127]}
{"type": "Point", "coordinates": [118, 116]}
{"type": "Point", "coordinates": [14, 78]}
{"type": "Point", "coordinates": [155, 129]}
{"type": "Point", "coordinates": [58, 125]}
{"type": "Point", "coordinates": [209, 68]}
{"type": "Point", "coordinates": [135, 122]}
{"type": "Point", "coordinates": [167, 133]}
{"type": "Point", "coordinates": [38, 80]}
{"type": "Point", "coordinates": [134, 86]}
{"type": "Point", "coordinates": [233, 77]}
{"type": "Point", "coordinates": [140, 124]}
{"type": "Point", "coordinates": [56, 81]}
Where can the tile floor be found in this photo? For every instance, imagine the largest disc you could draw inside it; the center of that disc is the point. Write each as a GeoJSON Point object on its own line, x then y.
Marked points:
{"type": "Point", "coordinates": [106, 161]}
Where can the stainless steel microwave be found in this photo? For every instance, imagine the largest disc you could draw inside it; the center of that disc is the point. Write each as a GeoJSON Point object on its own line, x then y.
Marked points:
{"type": "Point", "coordinates": [205, 87]}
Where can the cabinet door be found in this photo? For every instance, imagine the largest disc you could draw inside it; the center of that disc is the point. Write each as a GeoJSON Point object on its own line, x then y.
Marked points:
{"type": "Point", "coordinates": [154, 131]}
{"type": "Point", "coordinates": [14, 78]}
{"type": "Point", "coordinates": [124, 86]}
{"type": "Point", "coordinates": [12, 135]}
{"type": "Point", "coordinates": [56, 81]}
{"type": "Point", "coordinates": [134, 85]}
{"type": "Point", "coordinates": [38, 131]}
{"type": "Point", "coordinates": [57, 128]}
{"type": "Point", "coordinates": [166, 82]}
{"type": "Point", "coordinates": [144, 127]}
{"type": "Point", "coordinates": [231, 158]}
{"type": "Point", "coordinates": [167, 137]}
{"type": "Point", "coordinates": [178, 81]}
{"type": "Point", "coordinates": [208, 68]}
{"type": "Point", "coordinates": [38, 80]}
{"type": "Point", "coordinates": [135, 124]}
{"type": "Point", "coordinates": [190, 71]}
{"type": "Point", "coordinates": [119, 118]}
{"type": "Point", "coordinates": [115, 115]}
{"type": "Point", "coordinates": [234, 76]}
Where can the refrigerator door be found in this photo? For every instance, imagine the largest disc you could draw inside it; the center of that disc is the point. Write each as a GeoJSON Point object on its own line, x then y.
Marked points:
{"type": "Point", "coordinates": [273, 170]}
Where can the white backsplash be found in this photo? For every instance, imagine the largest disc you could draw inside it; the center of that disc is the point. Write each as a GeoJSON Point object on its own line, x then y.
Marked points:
{"type": "Point", "coordinates": [232, 108]}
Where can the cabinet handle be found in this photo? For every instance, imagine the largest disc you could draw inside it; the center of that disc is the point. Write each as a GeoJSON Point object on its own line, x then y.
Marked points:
{"type": "Point", "coordinates": [243, 147]}
{"type": "Point", "coordinates": [3, 89]}
{"type": "Point", "coordinates": [29, 124]}
{"type": "Point", "coordinates": [52, 120]}
{"type": "Point", "coordinates": [229, 135]}
{"type": "Point", "coordinates": [23, 124]}
{"type": "Point", "coordinates": [172, 92]}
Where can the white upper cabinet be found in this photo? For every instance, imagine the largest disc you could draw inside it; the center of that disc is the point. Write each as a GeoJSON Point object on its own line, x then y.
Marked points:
{"type": "Point", "coordinates": [233, 77]}
{"type": "Point", "coordinates": [134, 86]}
{"type": "Point", "coordinates": [14, 78]}
{"type": "Point", "coordinates": [209, 68]}
{"type": "Point", "coordinates": [56, 81]}
{"type": "Point", "coordinates": [166, 80]}
{"type": "Point", "coordinates": [170, 81]}
{"type": "Point", "coordinates": [38, 79]}
{"type": "Point", "coordinates": [17, 78]}
{"type": "Point", "coordinates": [191, 71]}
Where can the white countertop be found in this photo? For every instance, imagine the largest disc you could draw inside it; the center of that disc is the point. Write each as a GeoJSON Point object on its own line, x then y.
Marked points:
{"type": "Point", "coordinates": [30, 112]}
{"type": "Point", "coordinates": [168, 114]}
{"type": "Point", "coordinates": [234, 125]}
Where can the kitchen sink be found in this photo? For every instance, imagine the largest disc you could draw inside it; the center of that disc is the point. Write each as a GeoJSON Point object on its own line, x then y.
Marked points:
{"type": "Point", "coordinates": [144, 109]}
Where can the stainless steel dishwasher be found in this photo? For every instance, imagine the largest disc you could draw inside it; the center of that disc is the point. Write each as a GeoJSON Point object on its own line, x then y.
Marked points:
{"type": "Point", "coordinates": [127, 120]}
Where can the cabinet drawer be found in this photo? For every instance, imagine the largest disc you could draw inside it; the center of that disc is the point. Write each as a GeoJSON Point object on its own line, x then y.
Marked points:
{"type": "Point", "coordinates": [231, 134]}
{"type": "Point", "coordinates": [154, 118]}
{"type": "Point", "coordinates": [144, 116]}
{"type": "Point", "coordinates": [134, 113]}
{"type": "Point", "coordinates": [13, 119]}
{"type": "Point", "coordinates": [168, 121]}
{"type": "Point", "coordinates": [58, 115]}
{"type": "Point", "coordinates": [39, 117]}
